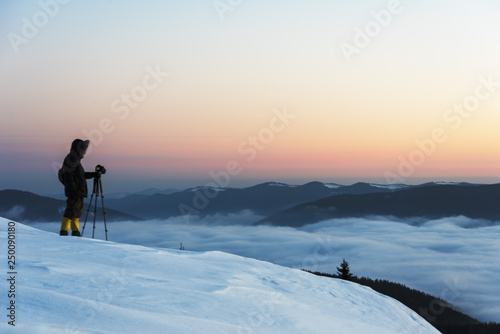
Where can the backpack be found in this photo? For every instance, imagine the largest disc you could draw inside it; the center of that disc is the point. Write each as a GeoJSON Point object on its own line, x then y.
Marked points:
{"type": "Point", "coordinates": [60, 175]}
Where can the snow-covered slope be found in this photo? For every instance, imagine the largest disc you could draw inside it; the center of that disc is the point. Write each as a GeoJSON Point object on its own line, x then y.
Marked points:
{"type": "Point", "coordinates": [79, 285]}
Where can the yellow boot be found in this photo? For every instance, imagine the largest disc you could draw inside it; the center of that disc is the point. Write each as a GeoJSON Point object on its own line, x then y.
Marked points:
{"type": "Point", "coordinates": [65, 226]}
{"type": "Point", "coordinates": [75, 227]}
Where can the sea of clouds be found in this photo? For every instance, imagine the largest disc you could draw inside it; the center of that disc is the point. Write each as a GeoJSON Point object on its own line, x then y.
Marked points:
{"type": "Point", "coordinates": [456, 259]}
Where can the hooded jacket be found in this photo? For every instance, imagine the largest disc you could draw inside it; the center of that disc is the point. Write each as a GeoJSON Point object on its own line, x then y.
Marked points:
{"type": "Point", "coordinates": [74, 176]}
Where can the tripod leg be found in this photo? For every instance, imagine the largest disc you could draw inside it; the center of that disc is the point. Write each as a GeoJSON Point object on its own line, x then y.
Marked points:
{"type": "Point", "coordinates": [96, 191]}
{"type": "Point", "coordinates": [103, 211]}
{"type": "Point", "coordinates": [87, 215]}
{"type": "Point", "coordinates": [95, 213]}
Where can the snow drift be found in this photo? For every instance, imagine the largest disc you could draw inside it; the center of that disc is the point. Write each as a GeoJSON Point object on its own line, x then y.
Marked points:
{"type": "Point", "coordinates": [80, 285]}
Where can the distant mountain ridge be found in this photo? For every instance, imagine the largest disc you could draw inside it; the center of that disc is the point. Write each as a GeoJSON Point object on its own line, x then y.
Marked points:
{"type": "Point", "coordinates": [429, 201]}
{"type": "Point", "coordinates": [283, 204]}
{"type": "Point", "coordinates": [263, 199]}
{"type": "Point", "coordinates": [146, 192]}
{"type": "Point", "coordinates": [28, 207]}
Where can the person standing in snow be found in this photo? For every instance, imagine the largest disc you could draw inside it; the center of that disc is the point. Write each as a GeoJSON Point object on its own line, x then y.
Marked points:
{"type": "Point", "coordinates": [74, 178]}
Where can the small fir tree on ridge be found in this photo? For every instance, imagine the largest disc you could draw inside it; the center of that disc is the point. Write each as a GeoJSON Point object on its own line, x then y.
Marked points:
{"type": "Point", "coordinates": [344, 272]}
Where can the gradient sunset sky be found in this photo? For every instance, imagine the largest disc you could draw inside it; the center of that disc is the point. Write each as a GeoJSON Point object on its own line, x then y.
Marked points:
{"type": "Point", "coordinates": [171, 93]}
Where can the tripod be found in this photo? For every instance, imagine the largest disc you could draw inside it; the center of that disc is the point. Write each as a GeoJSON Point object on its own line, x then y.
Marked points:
{"type": "Point", "coordinates": [95, 191]}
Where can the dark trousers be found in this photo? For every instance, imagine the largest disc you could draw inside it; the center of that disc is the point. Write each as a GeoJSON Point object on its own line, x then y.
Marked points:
{"type": "Point", "coordinates": [74, 206]}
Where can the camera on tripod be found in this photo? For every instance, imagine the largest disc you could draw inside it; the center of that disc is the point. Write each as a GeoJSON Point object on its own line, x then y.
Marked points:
{"type": "Point", "coordinates": [100, 169]}
{"type": "Point", "coordinates": [96, 190]}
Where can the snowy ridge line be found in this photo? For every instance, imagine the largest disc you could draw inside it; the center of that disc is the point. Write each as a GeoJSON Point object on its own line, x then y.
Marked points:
{"type": "Point", "coordinates": [78, 282]}
{"type": "Point", "coordinates": [389, 186]}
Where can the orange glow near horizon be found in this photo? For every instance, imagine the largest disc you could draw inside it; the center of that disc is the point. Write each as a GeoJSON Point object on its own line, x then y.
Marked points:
{"type": "Point", "coordinates": [180, 96]}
